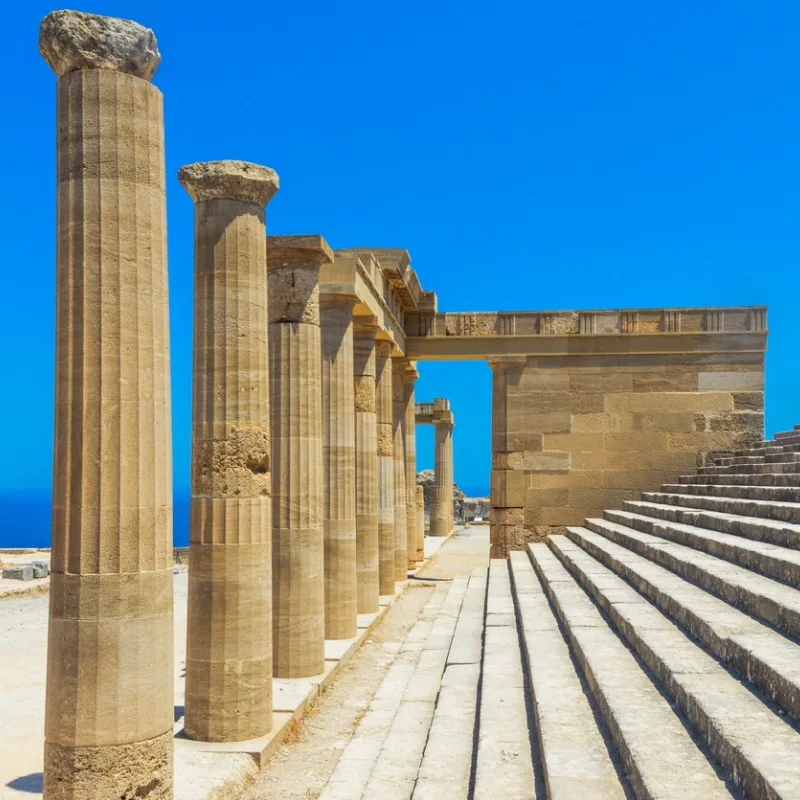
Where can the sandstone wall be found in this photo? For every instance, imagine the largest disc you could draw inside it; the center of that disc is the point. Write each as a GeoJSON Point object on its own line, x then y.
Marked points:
{"type": "Point", "coordinates": [575, 435]}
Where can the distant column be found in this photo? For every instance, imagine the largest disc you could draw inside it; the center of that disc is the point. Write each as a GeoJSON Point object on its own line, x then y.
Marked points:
{"type": "Point", "coordinates": [415, 537]}
{"type": "Point", "coordinates": [339, 465]}
{"type": "Point", "coordinates": [229, 641]}
{"type": "Point", "coordinates": [441, 514]}
{"type": "Point", "coordinates": [385, 413]}
{"type": "Point", "coordinates": [109, 709]}
{"type": "Point", "coordinates": [421, 514]}
{"type": "Point", "coordinates": [366, 466]}
{"type": "Point", "coordinates": [399, 443]}
{"type": "Point", "coordinates": [298, 583]}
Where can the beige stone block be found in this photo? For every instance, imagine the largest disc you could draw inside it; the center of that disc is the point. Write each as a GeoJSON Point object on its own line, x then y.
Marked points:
{"type": "Point", "coordinates": [574, 442]}
{"type": "Point", "coordinates": [666, 402]}
{"type": "Point", "coordinates": [672, 381]}
{"type": "Point", "coordinates": [636, 440]}
{"type": "Point", "coordinates": [506, 460]}
{"type": "Point", "coordinates": [731, 381]}
{"type": "Point", "coordinates": [589, 423]}
{"type": "Point", "coordinates": [549, 402]}
{"type": "Point", "coordinates": [603, 382]}
{"type": "Point", "coordinates": [661, 421]}
{"type": "Point", "coordinates": [506, 516]}
{"type": "Point", "coordinates": [565, 516]}
{"type": "Point", "coordinates": [534, 421]}
{"type": "Point", "coordinates": [544, 381]}
{"type": "Point", "coordinates": [704, 442]}
{"type": "Point", "coordinates": [532, 515]}
{"type": "Point", "coordinates": [507, 488]}
{"type": "Point", "coordinates": [738, 422]}
{"type": "Point", "coordinates": [539, 498]}
{"type": "Point", "coordinates": [636, 479]}
{"type": "Point", "coordinates": [600, 498]}
{"type": "Point", "coordinates": [748, 401]}
{"type": "Point", "coordinates": [547, 462]}
{"type": "Point", "coordinates": [574, 478]}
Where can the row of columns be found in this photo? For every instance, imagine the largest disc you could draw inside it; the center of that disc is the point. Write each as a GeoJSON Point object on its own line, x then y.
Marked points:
{"type": "Point", "coordinates": [442, 514]}
{"type": "Point", "coordinates": [304, 505]}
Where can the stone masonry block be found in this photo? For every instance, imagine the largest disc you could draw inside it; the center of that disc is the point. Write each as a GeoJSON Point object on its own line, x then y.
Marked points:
{"type": "Point", "coordinates": [726, 381]}
{"type": "Point", "coordinates": [547, 462]}
{"type": "Point", "coordinates": [669, 402]}
{"type": "Point", "coordinates": [21, 572]}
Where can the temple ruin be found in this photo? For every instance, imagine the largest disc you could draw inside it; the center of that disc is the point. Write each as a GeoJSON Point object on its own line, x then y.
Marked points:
{"type": "Point", "coordinates": [305, 509]}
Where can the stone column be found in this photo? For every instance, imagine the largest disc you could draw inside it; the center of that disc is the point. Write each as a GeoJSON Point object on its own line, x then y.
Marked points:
{"type": "Point", "coordinates": [421, 515]}
{"type": "Point", "coordinates": [366, 466]}
{"type": "Point", "coordinates": [229, 637]}
{"type": "Point", "coordinates": [109, 708]}
{"type": "Point", "coordinates": [506, 515]}
{"type": "Point", "coordinates": [442, 490]}
{"type": "Point", "coordinates": [298, 582]}
{"type": "Point", "coordinates": [385, 414]}
{"type": "Point", "coordinates": [415, 537]}
{"type": "Point", "coordinates": [339, 465]}
{"type": "Point", "coordinates": [399, 452]}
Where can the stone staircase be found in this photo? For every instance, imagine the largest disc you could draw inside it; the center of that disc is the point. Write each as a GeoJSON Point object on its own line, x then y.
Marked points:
{"type": "Point", "coordinates": [652, 653]}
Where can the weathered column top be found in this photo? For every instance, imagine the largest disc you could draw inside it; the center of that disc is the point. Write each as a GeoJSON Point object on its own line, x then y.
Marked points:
{"type": "Point", "coordinates": [71, 41]}
{"type": "Point", "coordinates": [230, 180]}
{"type": "Point", "coordinates": [293, 265]}
{"type": "Point", "coordinates": [411, 375]}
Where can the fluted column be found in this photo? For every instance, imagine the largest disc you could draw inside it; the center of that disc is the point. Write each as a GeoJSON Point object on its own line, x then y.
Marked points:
{"type": "Point", "coordinates": [109, 708]}
{"type": "Point", "coordinates": [421, 515]}
{"type": "Point", "coordinates": [298, 583]}
{"type": "Point", "coordinates": [415, 536]}
{"type": "Point", "coordinates": [385, 441]}
{"type": "Point", "coordinates": [366, 466]}
{"type": "Point", "coordinates": [442, 489]}
{"type": "Point", "coordinates": [339, 465]}
{"type": "Point", "coordinates": [399, 453]}
{"type": "Point", "coordinates": [229, 636]}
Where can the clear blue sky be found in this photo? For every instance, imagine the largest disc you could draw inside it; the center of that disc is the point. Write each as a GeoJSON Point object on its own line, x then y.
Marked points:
{"type": "Point", "coordinates": [529, 155]}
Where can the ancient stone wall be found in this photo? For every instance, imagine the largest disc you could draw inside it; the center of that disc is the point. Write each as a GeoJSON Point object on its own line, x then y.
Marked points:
{"type": "Point", "coordinates": [575, 435]}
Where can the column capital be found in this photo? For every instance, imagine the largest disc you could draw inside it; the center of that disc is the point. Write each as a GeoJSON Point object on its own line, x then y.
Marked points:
{"type": "Point", "coordinates": [230, 180]}
{"type": "Point", "coordinates": [384, 348]}
{"type": "Point", "coordinates": [411, 374]}
{"type": "Point", "coordinates": [337, 300]}
{"type": "Point", "coordinates": [71, 41]}
{"type": "Point", "coordinates": [297, 252]}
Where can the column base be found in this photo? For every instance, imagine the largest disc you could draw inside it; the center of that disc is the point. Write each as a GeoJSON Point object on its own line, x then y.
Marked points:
{"type": "Point", "coordinates": [135, 771]}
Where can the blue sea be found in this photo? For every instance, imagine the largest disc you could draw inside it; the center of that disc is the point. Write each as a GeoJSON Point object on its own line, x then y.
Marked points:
{"type": "Point", "coordinates": [25, 518]}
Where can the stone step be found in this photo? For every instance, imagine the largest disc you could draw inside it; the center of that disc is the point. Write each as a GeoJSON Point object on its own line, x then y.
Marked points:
{"type": "Point", "coordinates": [573, 753]}
{"type": "Point", "coordinates": [755, 746]}
{"type": "Point", "coordinates": [660, 758]}
{"type": "Point", "coordinates": [447, 760]}
{"type": "Point", "coordinates": [780, 563]}
{"type": "Point", "coordinates": [766, 658]}
{"type": "Point", "coordinates": [504, 761]}
{"type": "Point", "coordinates": [745, 469]}
{"type": "Point", "coordinates": [759, 529]}
{"type": "Point", "coordinates": [400, 756]}
{"type": "Point", "coordinates": [785, 512]}
{"type": "Point", "coordinates": [769, 458]}
{"type": "Point", "coordinates": [788, 437]}
{"type": "Point", "coordinates": [787, 494]}
{"type": "Point", "coordinates": [769, 448]}
{"type": "Point", "coordinates": [764, 598]}
{"type": "Point", "coordinates": [733, 479]}
{"type": "Point", "coordinates": [371, 739]}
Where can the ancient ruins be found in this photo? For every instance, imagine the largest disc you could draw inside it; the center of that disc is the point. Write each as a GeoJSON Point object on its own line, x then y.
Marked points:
{"type": "Point", "coordinates": [305, 510]}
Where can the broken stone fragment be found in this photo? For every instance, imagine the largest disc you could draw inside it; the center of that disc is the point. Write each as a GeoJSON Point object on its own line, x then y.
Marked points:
{"type": "Point", "coordinates": [72, 40]}
{"type": "Point", "coordinates": [234, 180]}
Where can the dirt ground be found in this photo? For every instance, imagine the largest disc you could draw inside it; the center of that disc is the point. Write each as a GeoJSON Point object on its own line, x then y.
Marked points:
{"type": "Point", "coordinates": [302, 767]}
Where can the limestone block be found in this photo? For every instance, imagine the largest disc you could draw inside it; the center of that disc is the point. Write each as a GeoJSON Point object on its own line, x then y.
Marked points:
{"type": "Point", "coordinates": [748, 401]}
{"type": "Point", "coordinates": [507, 488]}
{"type": "Point", "coordinates": [636, 440]}
{"type": "Point", "coordinates": [506, 460]}
{"type": "Point", "coordinates": [669, 402]}
{"type": "Point", "coordinates": [20, 572]}
{"type": "Point", "coordinates": [41, 569]}
{"type": "Point", "coordinates": [604, 382]}
{"type": "Point", "coordinates": [554, 497]}
{"type": "Point", "coordinates": [547, 462]}
{"type": "Point", "coordinates": [551, 422]}
{"type": "Point", "coordinates": [550, 380]}
{"type": "Point", "coordinates": [682, 381]}
{"type": "Point", "coordinates": [730, 381]}
{"type": "Point", "coordinates": [664, 422]}
{"type": "Point", "coordinates": [557, 480]}
{"type": "Point", "coordinates": [574, 442]}
{"type": "Point", "coordinates": [567, 516]}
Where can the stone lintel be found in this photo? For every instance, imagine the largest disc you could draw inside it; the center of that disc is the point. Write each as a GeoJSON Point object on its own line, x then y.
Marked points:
{"type": "Point", "coordinates": [337, 295]}
{"type": "Point", "coordinates": [297, 252]}
{"type": "Point", "coordinates": [233, 180]}
{"type": "Point", "coordinates": [71, 41]}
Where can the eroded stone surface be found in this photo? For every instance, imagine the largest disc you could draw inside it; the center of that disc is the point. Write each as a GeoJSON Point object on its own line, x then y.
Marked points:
{"type": "Point", "coordinates": [235, 180]}
{"type": "Point", "coordinates": [72, 40]}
